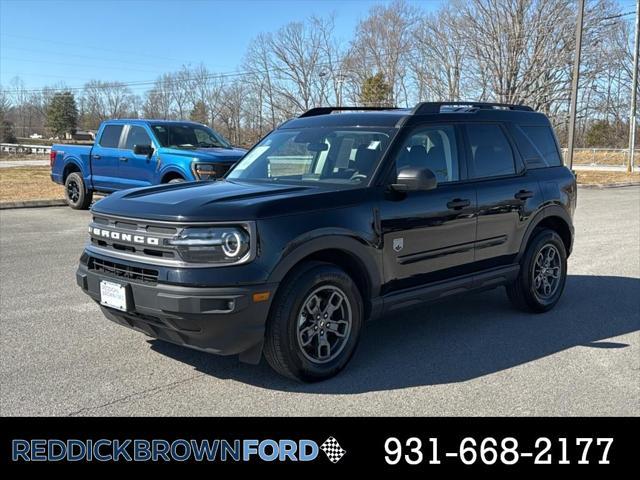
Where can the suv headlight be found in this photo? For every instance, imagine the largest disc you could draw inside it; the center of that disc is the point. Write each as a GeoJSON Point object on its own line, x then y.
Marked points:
{"type": "Point", "coordinates": [213, 244]}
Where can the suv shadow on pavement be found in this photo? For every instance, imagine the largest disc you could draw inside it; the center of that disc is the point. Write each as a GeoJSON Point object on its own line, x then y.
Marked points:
{"type": "Point", "coordinates": [455, 341]}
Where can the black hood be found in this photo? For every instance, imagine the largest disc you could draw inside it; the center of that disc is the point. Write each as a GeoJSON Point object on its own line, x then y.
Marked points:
{"type": "Point", "coordinates": [225, 200]}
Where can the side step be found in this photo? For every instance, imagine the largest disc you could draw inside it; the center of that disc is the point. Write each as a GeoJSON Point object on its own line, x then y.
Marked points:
{"type": "Point", "coordinates": [446, 288]}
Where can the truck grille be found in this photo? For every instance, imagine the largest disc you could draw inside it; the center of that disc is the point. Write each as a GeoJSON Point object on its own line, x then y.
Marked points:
{"type": "Point", "coordinates": [124, 272]}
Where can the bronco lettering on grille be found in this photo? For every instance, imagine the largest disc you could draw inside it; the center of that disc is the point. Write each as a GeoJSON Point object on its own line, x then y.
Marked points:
{"type": "Point", "coordinates": [125, 237]}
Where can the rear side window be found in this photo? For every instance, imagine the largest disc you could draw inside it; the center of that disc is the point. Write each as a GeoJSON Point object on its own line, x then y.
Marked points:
{"type": "Point", "coordinates": [491, 153]}
{"type": "Point", "coordinates": [544, 142]}
{"type": "Point", "coordinates": [111, 136]}
{"type": "Point", "coordinates": [137, 136]}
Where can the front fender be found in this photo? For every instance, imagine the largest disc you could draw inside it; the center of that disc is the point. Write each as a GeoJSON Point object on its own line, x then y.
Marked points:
{"type": "Point", "coordinates": [320, 240]}
{"type": "Point", "coordinates": [167, 168]}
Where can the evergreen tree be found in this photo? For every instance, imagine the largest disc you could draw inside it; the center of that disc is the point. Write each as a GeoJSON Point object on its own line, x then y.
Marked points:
{"type": "Point", "coordinates": [62, 114]}
{"type": "Point", "coordinates": [199, 113]}
{"type": "Point", "coordinates": [376, 92]}
{"type": "Point", "coordinates": [7, 134]}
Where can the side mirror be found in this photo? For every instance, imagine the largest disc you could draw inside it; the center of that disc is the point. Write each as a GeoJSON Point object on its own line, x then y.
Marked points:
{"type": "Point", "coordinates": [143, 150]}
{"type": "Point", "coordinates": [413, 179]}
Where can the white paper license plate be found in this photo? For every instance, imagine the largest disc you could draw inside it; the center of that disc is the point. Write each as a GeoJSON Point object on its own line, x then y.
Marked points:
{"type": "Point", "coordinates": [113, 295]}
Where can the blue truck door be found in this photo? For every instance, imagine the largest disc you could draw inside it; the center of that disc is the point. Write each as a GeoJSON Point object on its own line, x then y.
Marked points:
{"type": "Point", "coordinates": [136, 170]}
{"type": "Point", "coordinates": [105, 157]}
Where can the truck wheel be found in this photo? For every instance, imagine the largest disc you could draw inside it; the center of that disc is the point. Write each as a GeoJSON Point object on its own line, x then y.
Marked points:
{"type": "Point", "coordinates": [75, 193]}
{"type": "Point", "coordinates": [176, 180]}
{"type": "Point", "coordinates": [543, 274]}
{"type": "Point", "coordinates": [315, 323]}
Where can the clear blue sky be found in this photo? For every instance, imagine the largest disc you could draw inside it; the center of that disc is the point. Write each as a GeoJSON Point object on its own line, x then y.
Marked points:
{"type": "Point", "coordinates": [52, 41]}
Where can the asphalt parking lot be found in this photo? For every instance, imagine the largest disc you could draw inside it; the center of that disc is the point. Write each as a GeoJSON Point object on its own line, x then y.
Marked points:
{"type": "Point", "coordinates": [60, 356]}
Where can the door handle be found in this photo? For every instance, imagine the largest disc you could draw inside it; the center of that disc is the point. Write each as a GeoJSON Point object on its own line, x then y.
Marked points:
{"type": "Point", "coordinates": [523, 194]}
{"type": "Point", "coordinates": [96, 157]}
{"type": "Point", "coordinates": [458, 204]}
{"type": "Point", "coordinates": [124, 159]}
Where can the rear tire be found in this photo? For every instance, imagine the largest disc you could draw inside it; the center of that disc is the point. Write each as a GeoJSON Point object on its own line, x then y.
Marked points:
{"type": "Point", "coordinates": [176, 180]}
{"type": "Point", "coordinates": [314, 326]}
{"type": "Point", "coordinates": [75, 192]}
{"type": "Point", "coordinates": [543, 274]}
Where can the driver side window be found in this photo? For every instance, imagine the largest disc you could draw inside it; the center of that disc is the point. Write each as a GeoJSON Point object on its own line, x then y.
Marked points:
{"type": "Point", "coordinates": [433, 147]}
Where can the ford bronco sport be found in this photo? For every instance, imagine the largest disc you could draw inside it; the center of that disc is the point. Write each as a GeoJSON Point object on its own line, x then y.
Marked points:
{"type": "Point", "coordinates": [338, 216]}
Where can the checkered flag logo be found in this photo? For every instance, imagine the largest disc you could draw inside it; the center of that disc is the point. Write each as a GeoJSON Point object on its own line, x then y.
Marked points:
{"type": "Point", "coordinates": [333, 450]}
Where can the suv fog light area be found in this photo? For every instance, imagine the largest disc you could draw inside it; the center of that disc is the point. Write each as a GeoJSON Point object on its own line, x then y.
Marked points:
{"type": "Point", "coordinates": [212, 244]}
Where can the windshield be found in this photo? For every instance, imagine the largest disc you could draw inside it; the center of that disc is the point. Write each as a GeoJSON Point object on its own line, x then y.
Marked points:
{"type": "Point", "coordinates": [335, 155]}
{"type": "Point", "coordinates": [184, 135]}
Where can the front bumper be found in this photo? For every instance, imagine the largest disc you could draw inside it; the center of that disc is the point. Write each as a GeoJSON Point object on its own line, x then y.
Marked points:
{"type": "Point", "coordinates": [220, 320]}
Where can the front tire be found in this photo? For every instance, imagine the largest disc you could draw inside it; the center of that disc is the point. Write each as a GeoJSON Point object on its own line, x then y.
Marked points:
{"type": "Point", "coordinates": [315, 324]}
{"type": "Point", "coordinates": [543, 274]}
{"type": "Point", "coordinates": [75, 192]}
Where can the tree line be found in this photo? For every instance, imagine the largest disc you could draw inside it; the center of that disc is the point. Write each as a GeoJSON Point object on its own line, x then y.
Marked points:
{"type": "Point", "coordinates": [508, 51]}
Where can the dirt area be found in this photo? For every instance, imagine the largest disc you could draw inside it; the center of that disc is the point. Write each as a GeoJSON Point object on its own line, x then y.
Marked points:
{"type": "Point", "coordinates": [28, 183]}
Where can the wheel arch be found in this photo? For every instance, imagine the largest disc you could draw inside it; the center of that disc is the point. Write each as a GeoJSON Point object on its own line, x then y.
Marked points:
{"type": "Point", "coordinates": [555, 218]}
{"type": "Point", "coordinates": [347, 253]}
{"type": "Point", "coordinates": [72, 166]}
{"type": "Point", "coordinates": [172, 173]}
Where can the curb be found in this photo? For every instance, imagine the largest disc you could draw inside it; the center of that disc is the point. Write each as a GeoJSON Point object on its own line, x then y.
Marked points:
{"type": "Point", "coordinates": [602, 186]}
{"type": "Point", "coordinates": [33, 204]}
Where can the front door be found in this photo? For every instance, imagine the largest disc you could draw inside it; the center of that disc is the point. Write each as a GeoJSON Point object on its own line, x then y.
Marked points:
{"type": "Point", "coordinates": [429, 236]}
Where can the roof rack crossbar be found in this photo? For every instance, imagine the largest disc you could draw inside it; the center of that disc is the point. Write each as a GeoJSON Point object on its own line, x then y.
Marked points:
{"type": "Point", "coordinates": [327, 110]}
{"type": "Point", "coordinates": [434, 107]}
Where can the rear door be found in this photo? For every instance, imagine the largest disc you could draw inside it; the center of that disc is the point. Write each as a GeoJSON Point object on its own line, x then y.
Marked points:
{"type": "Point", "coordinates": [136, 170]}
{"type": "Point", "coordinates": [105, 158]}
{"type": "Point", "coordinates": [429, 235]}
{"type": "Point", "coordinates": [507, 194]}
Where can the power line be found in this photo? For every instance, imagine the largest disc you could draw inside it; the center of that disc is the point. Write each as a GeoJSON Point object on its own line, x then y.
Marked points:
{"type": "Point", "coordinates": [92, 47]}
{"type": "Point", "coordinates": [212, 76]}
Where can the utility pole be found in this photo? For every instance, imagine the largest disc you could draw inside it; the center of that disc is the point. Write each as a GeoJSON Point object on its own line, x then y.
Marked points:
{"type": "Point", "coordinates": [634, 93]}
{"type": "Point", "coordinates": [574, 83]}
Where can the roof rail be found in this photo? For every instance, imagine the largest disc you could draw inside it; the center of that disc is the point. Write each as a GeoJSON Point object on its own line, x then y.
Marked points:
{"type": "Point", "coordinates": [326, 110]}
{"type": "Point", "coordinates": [434, 107]}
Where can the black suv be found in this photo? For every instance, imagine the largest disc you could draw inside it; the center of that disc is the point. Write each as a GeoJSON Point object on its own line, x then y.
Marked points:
{"type": "Point", "coordinates": [339, 216]}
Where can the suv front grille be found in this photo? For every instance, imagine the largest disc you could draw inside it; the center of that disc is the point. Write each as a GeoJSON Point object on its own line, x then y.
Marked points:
{"type": "Point", "coordinates": [119, 235]}
{"type": "Point", "coordinates": [122, 271]}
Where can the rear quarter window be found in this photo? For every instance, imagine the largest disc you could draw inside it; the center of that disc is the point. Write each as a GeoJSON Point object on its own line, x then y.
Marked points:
{"type": "Point", "coordinates": [110, 137]}
{"type": "Point", "coordinates": [541, 140]}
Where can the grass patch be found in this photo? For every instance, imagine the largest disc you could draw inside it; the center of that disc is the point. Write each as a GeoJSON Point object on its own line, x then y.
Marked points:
{"type": "Point", "coordinates": [591, 177]}
{"type": "Point", "coordinates": [28, 183]}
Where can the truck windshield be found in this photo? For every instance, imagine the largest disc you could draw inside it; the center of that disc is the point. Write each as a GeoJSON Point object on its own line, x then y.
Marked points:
{"type": "Point", "coordinates": [184, 135]}
{"type": "Point", "coordinates": [335, 155]}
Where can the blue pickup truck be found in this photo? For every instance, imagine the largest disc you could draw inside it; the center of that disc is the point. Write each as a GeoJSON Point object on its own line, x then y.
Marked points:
{"type": "Point", "coordinates": [139, 153]}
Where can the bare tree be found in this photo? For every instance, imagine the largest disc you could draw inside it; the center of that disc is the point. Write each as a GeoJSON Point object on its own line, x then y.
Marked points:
{"type": "Point", "coordinates": [159, 101]}
{"type": "Point", "coordinates": [440, 56]}
{"type": "Point", "coordinates": [382, 44]}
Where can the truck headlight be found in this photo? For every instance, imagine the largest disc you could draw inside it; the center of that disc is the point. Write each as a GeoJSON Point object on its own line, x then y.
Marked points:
{"type": "Point", "coordinates": [213, 244]}
{"type": "Point", "coordinates": [209, 171]}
